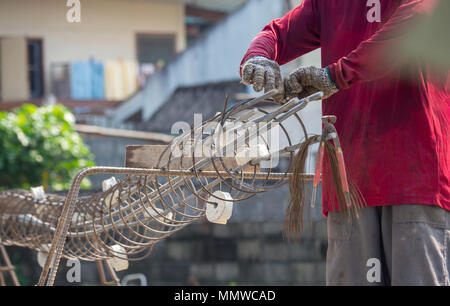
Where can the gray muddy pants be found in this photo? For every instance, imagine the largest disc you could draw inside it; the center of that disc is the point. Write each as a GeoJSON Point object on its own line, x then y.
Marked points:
{"type": "Point", "coordinates": [390, 245]}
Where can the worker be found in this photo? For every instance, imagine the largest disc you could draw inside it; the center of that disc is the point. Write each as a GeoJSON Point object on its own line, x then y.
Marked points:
{"type": "Point", "coordinates": [394, 126]}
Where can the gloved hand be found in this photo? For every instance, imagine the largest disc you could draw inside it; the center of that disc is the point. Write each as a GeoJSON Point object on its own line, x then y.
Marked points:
{"type": "Point", "coordinates": [306, 81]}
{"type": "Point", "coordinates": [263, 73]}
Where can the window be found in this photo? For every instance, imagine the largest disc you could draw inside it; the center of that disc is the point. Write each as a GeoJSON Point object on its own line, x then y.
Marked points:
{"type": "Point", "coordinates": [35, 68]}
{"type": "Point", "coordinates": [154, 49]}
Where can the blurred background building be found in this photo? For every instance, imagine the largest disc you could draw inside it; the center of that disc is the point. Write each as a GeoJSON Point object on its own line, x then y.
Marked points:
{"type": "Point", "coordinates": [142, 65]}
{"type": "Point", "coordinates": [42, 51]}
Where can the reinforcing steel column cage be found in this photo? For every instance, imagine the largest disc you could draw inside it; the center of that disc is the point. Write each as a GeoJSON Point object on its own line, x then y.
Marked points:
{"type": "Point", "coordinates": [230, 158]}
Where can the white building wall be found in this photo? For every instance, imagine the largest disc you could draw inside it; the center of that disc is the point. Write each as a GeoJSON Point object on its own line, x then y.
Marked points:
{"type": "Point", "coordinates": [107, 29]}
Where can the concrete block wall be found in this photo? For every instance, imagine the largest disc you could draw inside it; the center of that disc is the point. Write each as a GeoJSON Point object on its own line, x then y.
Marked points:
{"type": "Point", "coordinates": [244, 255]}
{"type": "Point", "coordinates": [249, 250]}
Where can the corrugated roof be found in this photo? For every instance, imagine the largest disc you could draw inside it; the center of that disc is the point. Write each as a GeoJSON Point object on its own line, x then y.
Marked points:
{"type": "Point", "coordinates": [185, 102]}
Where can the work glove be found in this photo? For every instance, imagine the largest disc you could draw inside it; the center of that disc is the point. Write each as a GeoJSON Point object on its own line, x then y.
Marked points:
{"type": "Point", "coordinates": [263, 73]}
{"type": "Point", "coordinates": [306, 81]}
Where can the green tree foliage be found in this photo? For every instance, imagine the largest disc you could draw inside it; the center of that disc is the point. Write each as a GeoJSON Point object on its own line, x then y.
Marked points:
{"type": "Point", "coordinates": [38, 146]}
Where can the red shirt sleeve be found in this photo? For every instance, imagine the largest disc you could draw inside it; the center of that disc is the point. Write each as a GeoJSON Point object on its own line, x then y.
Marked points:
{"type": "Point", "coordinates": [374, 58]}
{"type": "Point", "coordinates": [289, 37]}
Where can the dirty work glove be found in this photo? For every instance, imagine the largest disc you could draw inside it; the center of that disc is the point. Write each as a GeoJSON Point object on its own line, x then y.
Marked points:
{"type": "Point", "coordinates": [306, 81]}
{"type": "Point", "coordinates": [263, 73]}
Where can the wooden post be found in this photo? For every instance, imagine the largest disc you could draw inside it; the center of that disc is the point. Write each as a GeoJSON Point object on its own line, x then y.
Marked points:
{"type": "Point", "coordinates": [7, 268]}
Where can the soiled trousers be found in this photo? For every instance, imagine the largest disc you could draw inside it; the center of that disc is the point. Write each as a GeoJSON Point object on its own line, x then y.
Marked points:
{"type": "Point", "coordinates": [406, 245]}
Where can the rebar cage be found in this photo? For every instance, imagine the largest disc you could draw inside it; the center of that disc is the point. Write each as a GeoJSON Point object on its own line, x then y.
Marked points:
{"type": "Point", "coordinates": [227, 159]}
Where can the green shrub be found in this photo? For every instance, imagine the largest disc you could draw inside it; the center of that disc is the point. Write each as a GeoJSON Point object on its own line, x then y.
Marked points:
{"type": "Point", "coordinates": [38, 146]}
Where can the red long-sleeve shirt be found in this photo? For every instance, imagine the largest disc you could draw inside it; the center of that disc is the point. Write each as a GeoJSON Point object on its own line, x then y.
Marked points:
{"type": "Point", "coordinates": [393, 120]}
